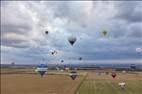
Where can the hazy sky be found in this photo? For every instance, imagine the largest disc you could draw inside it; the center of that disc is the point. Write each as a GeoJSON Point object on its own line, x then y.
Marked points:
{"type": "Point", "coordinates": [23, 26]}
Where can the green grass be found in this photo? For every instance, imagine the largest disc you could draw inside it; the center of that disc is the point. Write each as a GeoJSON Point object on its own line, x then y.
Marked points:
{"type": "Point", "coordinates": [109, 87]}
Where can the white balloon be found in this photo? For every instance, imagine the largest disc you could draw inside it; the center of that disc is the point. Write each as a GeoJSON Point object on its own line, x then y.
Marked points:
{"type": "Point", "coordinates": [121, 84]}
{"type": "Point", "coordinates": [139, 50]}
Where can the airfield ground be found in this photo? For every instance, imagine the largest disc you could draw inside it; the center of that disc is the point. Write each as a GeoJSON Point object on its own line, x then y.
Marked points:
{"type": "Point", "coordinates": [89, 82]}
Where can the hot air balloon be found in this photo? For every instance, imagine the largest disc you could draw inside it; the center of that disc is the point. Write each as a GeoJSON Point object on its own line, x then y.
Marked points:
{"type": "Point", "coordinates": [139, 50]}
{"type": "Point", "coordinates": [73, 75]}
{"type": "Point", "coordinates": [113, 74]}
{"type": "Point", "coordinates": [104, 32]}
{"type": "Point", "coordinates": [121, 84]}
{"type": "Point", "coordinates": [133, 66]}
{"type": "Point", "coordinates": [80, 58]}
{"type": "Point", "coordinates": [72, 40]}
{"type": "Point", "coordinates": [46, 32]}
{"type": "Point", "coordinates": [62, 61]}
{"type": "Point", "coordinates": [12, 63]}
{"type": "Point", "coordinates": [54, 52]}
{"type": "Point", "coordinates": [41, 69]}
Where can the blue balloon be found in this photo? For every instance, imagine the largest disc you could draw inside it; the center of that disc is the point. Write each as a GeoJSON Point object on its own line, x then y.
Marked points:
{"type": "Point", "coordinates": [42, 69]}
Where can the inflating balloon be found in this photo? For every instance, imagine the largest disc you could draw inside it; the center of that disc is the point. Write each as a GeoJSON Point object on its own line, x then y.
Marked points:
{"type": "Point", "coordinates": [73, 75]}
{"type": "Point", "coordinates": [41, 69]}
{"type": "Point", "coordinates": [72, 40]}
{"type": "Point", "coordinates": [113, 74]}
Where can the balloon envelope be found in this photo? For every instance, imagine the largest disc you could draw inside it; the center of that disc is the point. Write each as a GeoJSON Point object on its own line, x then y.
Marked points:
{"type": "Point", "coordinates": [138, 50]}
{"type": "Point", "coordinates": [80, 58]}
{"type": "Point", "coordinates": [62, 60]}
{"type": "Point", "coordinates": [46, 32]}
{"type": "Point", "coordinates": [73, 75]}
{"type": "Point", "coordinates": [133, 66]}
{"type": "Point", "coordinates": [41, 69]}
{"type": "Point", "coordinates": [72, 40]}
{"type": "Point", "coordinates": [104, 33]}
{"type": "Point", "coordinates": [113, 74]}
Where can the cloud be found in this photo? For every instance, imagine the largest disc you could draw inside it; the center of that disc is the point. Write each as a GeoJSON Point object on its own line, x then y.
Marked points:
{"type": "Point", "coordinates": [131, 11]}
{"type": "Point", "coordinates": [23, 27]}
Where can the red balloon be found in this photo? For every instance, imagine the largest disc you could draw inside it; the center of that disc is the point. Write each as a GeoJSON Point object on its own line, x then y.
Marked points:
{"type": "Point", "coordinates": [113, 74]}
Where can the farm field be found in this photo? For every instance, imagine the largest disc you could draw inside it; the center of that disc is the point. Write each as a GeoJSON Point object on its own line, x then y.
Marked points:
{"type": "Point", "coordinates": [88, 82]}
{"type": "Point", "coordinates": [105, 84]}
{"type": "Point", "coordinates": [34, 84]}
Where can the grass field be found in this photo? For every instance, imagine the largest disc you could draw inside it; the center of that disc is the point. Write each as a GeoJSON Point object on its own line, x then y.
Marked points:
{"type": "Point", "coordinates": [105, 84]}
{"type": "Point", "coordinates": [89, 82]}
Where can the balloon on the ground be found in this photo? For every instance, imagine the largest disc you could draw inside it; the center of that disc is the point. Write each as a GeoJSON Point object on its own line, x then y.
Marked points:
{"type": "Point", "coordinates": [41, 69]}
{"type": "Point", "coordinates": [73, 75]}
{"type": "Point", "coordinates": [121, 84]}
{"type": "Point", "coordinates": [72, 40]}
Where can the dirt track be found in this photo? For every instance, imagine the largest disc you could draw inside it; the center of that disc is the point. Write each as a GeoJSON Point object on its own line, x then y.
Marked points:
{"type": "Point", "coordinates": [34, 84]}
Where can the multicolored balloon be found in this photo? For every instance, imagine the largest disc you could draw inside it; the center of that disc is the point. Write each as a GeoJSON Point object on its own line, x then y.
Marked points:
{"type": "Point", "coordinates": [41, 69]}
{"type": "Point", "coordinates": [73, 75]}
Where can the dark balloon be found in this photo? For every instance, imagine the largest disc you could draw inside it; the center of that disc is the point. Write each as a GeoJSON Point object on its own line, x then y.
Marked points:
{"type": "Point", "coordinates": [46, 32]}
{"type": "Point", "coordinates": [133, 66]}
{"type": "Point", "coordinates": [62, 61]}
{"type": "Point", "coordinates": [54, 52]}
{"type": "Point", "coordinates": [104, 33]}
{"type": "Point", "coordinates": [72, 40]}
{"type": "Point", "coordinates": [113, 74]}
{"type": "Point", "coordinates": [12, 63]}
{"type": "Point", "coordinates": [80, 58]}
{"type": "Point", "coordinates": [42, 73]}
{"type": "Point", "coordinates": [73, 75]}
